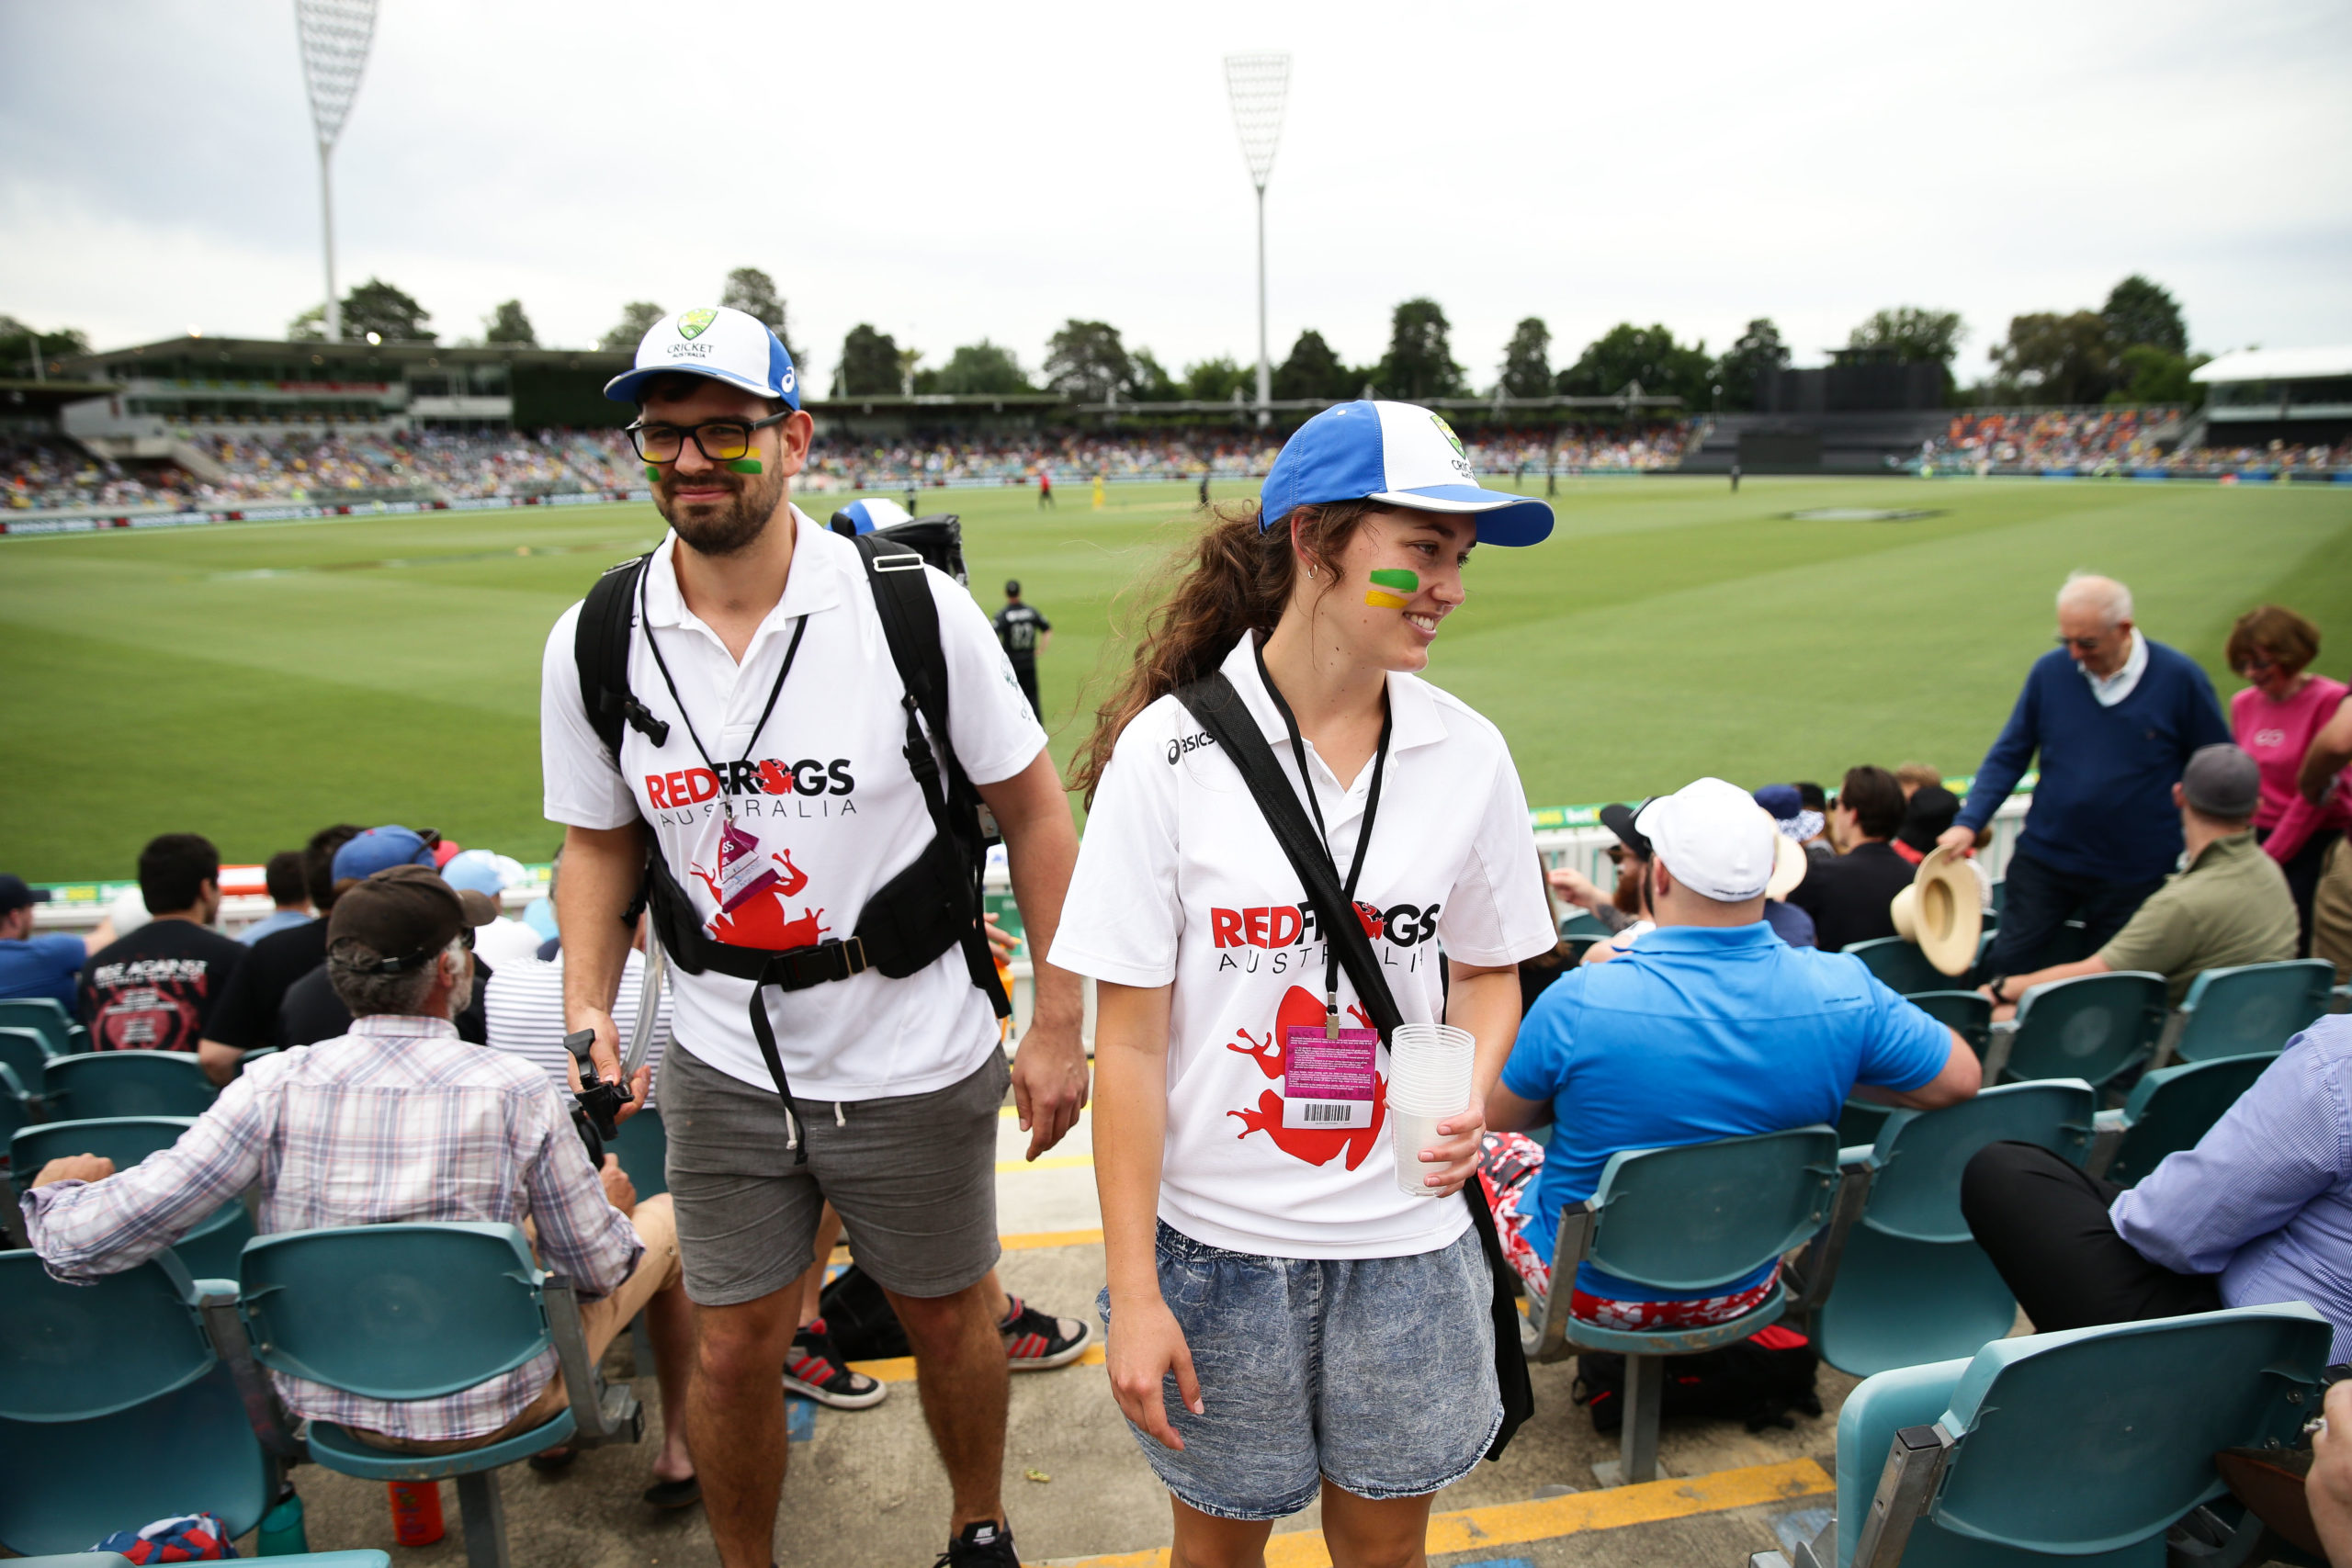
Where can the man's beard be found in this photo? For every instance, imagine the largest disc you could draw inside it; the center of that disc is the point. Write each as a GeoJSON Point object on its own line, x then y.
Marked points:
{"type": "Point", "coordinates": [724, 528]}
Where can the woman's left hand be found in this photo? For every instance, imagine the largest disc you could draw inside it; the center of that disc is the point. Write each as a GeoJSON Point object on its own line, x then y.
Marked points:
{"type": "Point", "coordinates": [1454, 1158]}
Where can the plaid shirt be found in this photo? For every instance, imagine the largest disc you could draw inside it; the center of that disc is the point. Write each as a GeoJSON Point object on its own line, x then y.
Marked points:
{"type": "Point", "coordinates": [399, 1121]}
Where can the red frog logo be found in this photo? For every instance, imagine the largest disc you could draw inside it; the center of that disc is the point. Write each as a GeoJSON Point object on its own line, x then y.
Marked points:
{"type": "Point", "coordinates": [1301, 1009]}
{"type": "Point", "coordinates": [749, 892]}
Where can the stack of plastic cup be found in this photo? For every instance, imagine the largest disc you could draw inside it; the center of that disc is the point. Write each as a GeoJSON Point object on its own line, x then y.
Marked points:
{"type": "Point", "coordinates": [1429, 1080]}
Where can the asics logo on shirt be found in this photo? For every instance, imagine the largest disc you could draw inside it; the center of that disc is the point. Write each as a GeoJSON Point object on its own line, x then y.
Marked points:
{"type": "Point", "coordinates": [1181, 745]}
{"type": "Point", "coordinates": [692, 786]}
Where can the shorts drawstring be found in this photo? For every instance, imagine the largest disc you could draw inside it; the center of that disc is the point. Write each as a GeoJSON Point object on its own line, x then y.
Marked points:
{"type": "Point", "coordinates": [839, 1121]}
{"type": "Point", "coordinates": [791, 1128]}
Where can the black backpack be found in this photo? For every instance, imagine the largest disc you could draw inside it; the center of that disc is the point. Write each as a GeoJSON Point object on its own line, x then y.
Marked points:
{"type": "Point", "coordinates": [933, 904]}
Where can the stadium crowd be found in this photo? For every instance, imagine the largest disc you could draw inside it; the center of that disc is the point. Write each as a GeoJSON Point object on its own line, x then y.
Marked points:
{"type": "Point", "coordinates": [2104, 441]}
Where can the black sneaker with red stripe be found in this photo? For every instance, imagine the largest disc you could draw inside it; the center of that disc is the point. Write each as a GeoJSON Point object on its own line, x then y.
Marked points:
{"type": "Point", "coordinates": [1035, 1342]}
{"type": "Point", "coordinates": [816, 1370]}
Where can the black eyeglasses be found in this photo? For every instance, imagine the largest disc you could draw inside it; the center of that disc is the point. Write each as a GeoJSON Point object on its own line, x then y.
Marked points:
{"type": "Point", "coordinates": [2084, 644]}
{"type": "Point", "coordinates": [719, 440]}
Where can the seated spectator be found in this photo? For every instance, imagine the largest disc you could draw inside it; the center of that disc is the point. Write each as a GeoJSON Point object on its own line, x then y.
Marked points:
{"type": "Point", "coordinates": [523, 1011]}
{"type": "Point", "coordinates": [398, 1121]}
{"type": "Point", "coordinates": [155, 989]}
{"type": "Point", "coordinates": [2259, 1211]}
{"type": "Point", "coordinates": [1813, 821]}
{"type": "Point", "coordinates": [1631, 902]}
{"type": "Point", "coordinates": [41, 965]}
{"type": "Point", "coordinates": [289, 891]}
{"type": "Point", "coordinates": [1789, 864]}
{"type": "Point", "coordinates": [1850, 898]}
{"type": "Point", "coordinates": [505, 939]}
{"type": "Point", "coordinates": [1710, 1028]}
{"type": "Point", "coordinates": [2230, 907]}
{"type": "Point", "coordinates": [1917, 776]}
{"type": "Point", "coordinates": [246, 1018]}
{"type": "Point", "coordinates": [2276, 717]}
{"type": "Point", "coordinates": [1928, 811]}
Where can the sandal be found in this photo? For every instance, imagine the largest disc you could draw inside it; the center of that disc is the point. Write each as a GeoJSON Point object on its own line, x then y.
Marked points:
{"type": "Point", "coordinates": [683, 1494]}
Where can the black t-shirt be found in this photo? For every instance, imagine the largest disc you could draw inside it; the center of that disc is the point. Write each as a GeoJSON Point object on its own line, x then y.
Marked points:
{"type": "Point", "coordinates": [247, 1016]}
{"type": "Point", "coordinates": [1849, 897]}
{"type": "Point", "coordinates": [313, 1012]}
{"type": "Point", "coordinates": [157, 988]}
{"type": "Point", "coordinates": [1017, 626]}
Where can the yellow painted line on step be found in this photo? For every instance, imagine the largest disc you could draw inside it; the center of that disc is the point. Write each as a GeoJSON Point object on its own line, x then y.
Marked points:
{"type": "Point", "coordinates": [901, 1369]}
{"type": "Point", "coordinates": [1045, 1162]}
{"type": "Point", "coordinates": [1510, 1524]}
{"type": "Point", "coordinates": [1027, 1241]}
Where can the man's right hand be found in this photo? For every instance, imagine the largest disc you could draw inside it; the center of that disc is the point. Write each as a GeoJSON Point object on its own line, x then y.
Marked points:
{"type": "Point", "coordinates": [75, 1168]}
{"type": "Point", "coordinates": [619, 1191]}
{"type": "Point", "coordinates": [1957, 838]}
{"type": "Point", "coordinates": [606, 1054]}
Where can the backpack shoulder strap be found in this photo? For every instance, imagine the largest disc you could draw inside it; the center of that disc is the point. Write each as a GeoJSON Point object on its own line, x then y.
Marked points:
{"type": "Point", "coordinates": [600, 648]}
{"type": "Point", "coordinates": [910, 624]}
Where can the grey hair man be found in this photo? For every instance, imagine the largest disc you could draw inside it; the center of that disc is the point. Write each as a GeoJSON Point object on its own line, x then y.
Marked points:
{"type": "Point", "coordinates": [401, 1121]}
{"type": "Point", "coordinates": [2113, 717]}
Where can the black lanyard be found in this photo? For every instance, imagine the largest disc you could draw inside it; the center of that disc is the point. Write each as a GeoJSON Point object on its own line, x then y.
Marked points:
{"type": "Point", "coordinates": [726, 779]}
{"type": "Point", "coordinates": [1323, 834]}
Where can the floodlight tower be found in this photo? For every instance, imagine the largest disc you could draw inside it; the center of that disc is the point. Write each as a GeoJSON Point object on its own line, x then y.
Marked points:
{"type": "Point", "coordinates": [335, 35]}
{"type": "Point", "coordinates": [1258, 84]}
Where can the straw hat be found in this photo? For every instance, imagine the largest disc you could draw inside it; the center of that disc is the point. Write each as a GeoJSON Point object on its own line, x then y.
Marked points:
{"type": "Point", "coordinates": [1789, 864]}
{"type": "Point", "coordinates": [1942, 912]}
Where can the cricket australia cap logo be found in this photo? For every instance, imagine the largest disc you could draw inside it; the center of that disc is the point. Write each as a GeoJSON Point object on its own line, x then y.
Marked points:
{"type": "Point", "coordinates": [1443, 429]}
{"type": "Point", "coordinates": [692, 324]}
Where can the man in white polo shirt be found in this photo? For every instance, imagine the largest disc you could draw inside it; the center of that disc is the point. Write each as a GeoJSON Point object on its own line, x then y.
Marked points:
{"type": "Point", "coordinates": [765, 762]}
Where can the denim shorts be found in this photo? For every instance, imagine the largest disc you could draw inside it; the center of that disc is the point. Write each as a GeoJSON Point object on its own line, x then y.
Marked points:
{"type": "Point", "coordinates": [1377, 1374]}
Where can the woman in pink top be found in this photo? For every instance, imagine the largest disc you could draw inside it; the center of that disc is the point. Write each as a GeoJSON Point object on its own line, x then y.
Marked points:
{"type": "Point", "coordinates": [2275, 719]}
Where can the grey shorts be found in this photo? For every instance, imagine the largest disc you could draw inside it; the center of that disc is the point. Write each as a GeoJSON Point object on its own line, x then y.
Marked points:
{"type": "Point", "coordinates": [912, 1175]}
{"type": "Point", "coordinates": [1377, 1374]}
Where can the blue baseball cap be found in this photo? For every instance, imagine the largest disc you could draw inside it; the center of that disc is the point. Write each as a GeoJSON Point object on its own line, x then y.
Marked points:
{"type": "Point", "coordinates": [725, 345]}
{"type": "Point", "coordinates": [1401, 454]}
{"type": "Point", "coordinates": [378, 849]}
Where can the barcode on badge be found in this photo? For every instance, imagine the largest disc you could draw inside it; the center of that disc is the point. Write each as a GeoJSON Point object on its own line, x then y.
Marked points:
{"type": "Point", "coordinates": [1312, 1111]}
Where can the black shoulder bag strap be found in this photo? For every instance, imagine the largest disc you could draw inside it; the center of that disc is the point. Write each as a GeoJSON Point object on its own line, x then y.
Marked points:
{"type": "Point", "coordinates": [1219, 708]}
{"type": "Point", "coordinates": [910, 627]}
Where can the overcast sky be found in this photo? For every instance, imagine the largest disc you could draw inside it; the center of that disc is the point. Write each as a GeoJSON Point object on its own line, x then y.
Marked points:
{"type": "Point", "coordinates": [950, 172]}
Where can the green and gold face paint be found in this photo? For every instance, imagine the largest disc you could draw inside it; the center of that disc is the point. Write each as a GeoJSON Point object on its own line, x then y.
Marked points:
{"type": "Point", "coordinates": [745, 465]}
{"type": "Point", "coordinates": [1401, 586]}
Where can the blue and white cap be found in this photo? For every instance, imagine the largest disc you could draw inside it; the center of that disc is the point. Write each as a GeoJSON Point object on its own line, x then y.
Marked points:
{"type": "Point", "coordinates": [1401, 454]}
{"type": "Point", "coordinates": [872, 513]}
{"type": "Point", "coordinates": [724, 345]}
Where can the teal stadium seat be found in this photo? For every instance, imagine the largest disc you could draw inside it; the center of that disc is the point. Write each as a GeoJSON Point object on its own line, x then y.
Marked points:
{"type": "Point", "coordinates": [1911, 1283]}
{"type": "Point", "coordinates": [2251, 1008]}
{"type": "Point", "coordinates": [97, 1084]}
{"type": "Point", "coordinates": [2079, 1448]}
{"type": "Point", "coordinates": [1690, 1219]}
{"type": "Point", "coordinates": [45, 1014]}
{"type": "Point", "coordinates": [644, 1151]}
{"type": "Point", "coordinates": [1585, 923]}
{"type": "Point", "coordinates": [2169, 1110]}
{"type": "Point", "coordinates": [1900, 965]}
{"type": "Point", "coordinates": [25, 1051]}
{"type": "Point", "coordinates": [1968, 1014]}
{"type": "Point", "coordinates": [2093, 1027]}
{"type": "Point", "coordinates": [420, 1311]}
{"type": "Point", "coordinates": [115, 1409]}
{"type": "Point", "coordinates": [210, 1251]}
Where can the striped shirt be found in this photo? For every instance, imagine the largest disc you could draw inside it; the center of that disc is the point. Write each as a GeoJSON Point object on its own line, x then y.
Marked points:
{"type": "Point", "coordinates": [399, 1121]}
{"type": "Point", "coordinates": [523, 1005]}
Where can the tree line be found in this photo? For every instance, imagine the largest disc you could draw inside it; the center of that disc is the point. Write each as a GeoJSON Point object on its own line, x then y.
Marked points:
{"type": "Point", "coordinates": [2132, 349]}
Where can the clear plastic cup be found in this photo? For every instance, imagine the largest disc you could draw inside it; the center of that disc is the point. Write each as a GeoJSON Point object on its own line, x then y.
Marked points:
{"type": "Point", "coordinates": [1410, 1132]}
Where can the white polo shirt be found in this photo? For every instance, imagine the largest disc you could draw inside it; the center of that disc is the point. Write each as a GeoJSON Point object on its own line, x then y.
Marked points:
{"type": "Point", "coordinates": [825, 811]}
{"type": "Point", "coordinates": [1181, 881]}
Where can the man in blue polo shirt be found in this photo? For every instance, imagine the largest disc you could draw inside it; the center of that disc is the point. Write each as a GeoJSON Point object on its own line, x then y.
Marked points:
{"type": "Point", "coordinates": [41, 965]}
{"type": "Point", "coordinates": [2115, 717]}
{"type": "Point", "coordinates": [1711, 1027]}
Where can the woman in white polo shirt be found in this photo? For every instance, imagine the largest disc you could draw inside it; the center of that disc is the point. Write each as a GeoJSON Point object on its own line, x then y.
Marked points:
{"type": "Point", "coordinates": [1284, 1319]}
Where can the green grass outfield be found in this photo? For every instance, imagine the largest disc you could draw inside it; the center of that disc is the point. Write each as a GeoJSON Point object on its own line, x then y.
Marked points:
{"type": "Point", "coordinates": [255, 682]}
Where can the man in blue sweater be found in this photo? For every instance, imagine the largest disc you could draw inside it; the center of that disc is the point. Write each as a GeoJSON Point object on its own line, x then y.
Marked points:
{"type": "Point", "coordinates": [2115, 717]}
